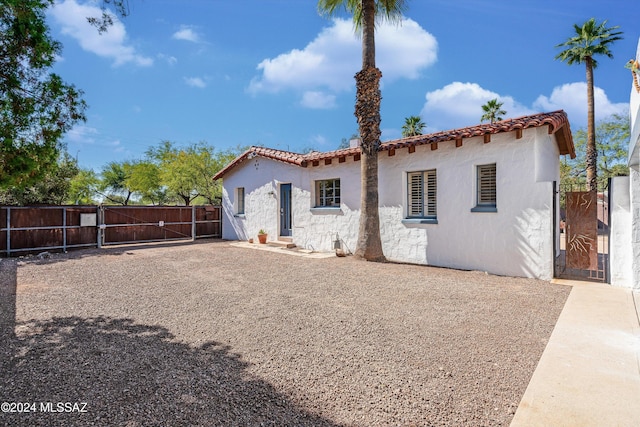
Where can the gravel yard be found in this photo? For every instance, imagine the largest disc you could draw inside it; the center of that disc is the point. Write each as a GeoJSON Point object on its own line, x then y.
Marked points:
{"type": "Point", "coordinates": [210, 334]}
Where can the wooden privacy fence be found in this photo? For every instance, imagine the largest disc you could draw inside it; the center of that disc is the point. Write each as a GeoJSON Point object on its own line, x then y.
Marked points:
{"type": "Point", "coordinates": [39, 228]}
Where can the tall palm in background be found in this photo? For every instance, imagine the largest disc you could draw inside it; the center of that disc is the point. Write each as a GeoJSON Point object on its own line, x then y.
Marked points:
{"type": "Point", "coordinates": [492, 111]}
{"type": "Point", "coordinates": [413, 125]}
{"type": "Point", "coordinates": [590, 39]}
{"type": "Point", "coordinates": [367, 112]}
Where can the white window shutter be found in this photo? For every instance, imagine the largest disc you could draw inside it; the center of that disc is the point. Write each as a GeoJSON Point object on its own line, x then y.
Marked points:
{"type": "Point", "coordinates": [430, 200]}
{"type": "Point", "coordinates": [415, 193]}
{"type": "Point", "coordinates": [487, 185]}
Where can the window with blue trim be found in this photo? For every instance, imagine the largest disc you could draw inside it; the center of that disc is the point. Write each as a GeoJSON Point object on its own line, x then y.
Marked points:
{"type": "Point", "coordinates": [422, 194]}
{"type": "Point", "coordinates": [486, 188]}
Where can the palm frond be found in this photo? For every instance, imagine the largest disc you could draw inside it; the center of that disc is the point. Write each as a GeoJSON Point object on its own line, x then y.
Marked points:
{"type": "Point", "coordinates": [590, 39]}
{"type": "Point", "coordinates": [386, 10]}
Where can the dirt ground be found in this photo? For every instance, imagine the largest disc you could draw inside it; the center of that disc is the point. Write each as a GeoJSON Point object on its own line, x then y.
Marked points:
{"type": "Point", "coordinates": [212, 334]}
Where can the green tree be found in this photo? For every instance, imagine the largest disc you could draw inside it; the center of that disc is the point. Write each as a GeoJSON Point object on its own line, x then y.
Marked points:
{"type": "Point", "coordinates": [144, 180]}
{"type": "Point", "coordinates": [176, 168]}
{"type": "Point", "coordinates": [103, 22]}
{"type": "Point", "coordinates": [367, 112]}
{"type": "Point", "coordinates": [83, 188]}
{"type": "Point", "coordinates": [209, 164]}
{"type": "Point", "coordinates": [590, 39]}
{"type": "Point", "coordinates": [52, 189]}
{"type": "Point", "coordinates": [413, 125]}
{"type": "Point", "coordinates": [612, 143]}
{"type": "Point", "coordinates": [115, 184]}
{"type": "Point", "coordinates": [186, 172]}
{"type": "Point", "coordinates": [36, 106]}
{"type": "Point", "coordinates": [492, 111]}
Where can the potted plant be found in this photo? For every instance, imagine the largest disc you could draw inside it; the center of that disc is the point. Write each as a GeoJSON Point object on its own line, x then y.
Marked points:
{"type": "Point", "coordinates": [262, 236]}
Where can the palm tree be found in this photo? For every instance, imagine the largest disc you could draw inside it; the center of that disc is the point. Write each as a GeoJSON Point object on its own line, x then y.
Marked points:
{"type": "Point", "coordinates": [413, 125]}
{"type": "Point", "coordinates": [590, 39]}
{"type": "Point", "coordinates": [492, 111]}
{"type": "Point", "coordinates": [367, 111]}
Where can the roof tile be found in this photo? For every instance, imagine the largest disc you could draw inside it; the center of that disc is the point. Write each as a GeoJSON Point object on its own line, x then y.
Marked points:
{"type": "Point", "coordinates": [557, 121]}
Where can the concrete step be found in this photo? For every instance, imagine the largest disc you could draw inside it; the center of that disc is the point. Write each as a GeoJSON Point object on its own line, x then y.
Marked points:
{"type": "Point", "coordinates": [281, 243]}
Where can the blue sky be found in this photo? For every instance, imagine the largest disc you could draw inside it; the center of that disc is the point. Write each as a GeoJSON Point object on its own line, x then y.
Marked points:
{"type": "Point", "coordinates": [276, 73]}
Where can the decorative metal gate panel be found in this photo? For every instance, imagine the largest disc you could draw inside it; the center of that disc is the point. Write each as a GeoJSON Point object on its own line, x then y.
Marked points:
{"type": "Point", "coordinates": [583, 235]}
{"type": "Point", "coordinates": [582, 230]}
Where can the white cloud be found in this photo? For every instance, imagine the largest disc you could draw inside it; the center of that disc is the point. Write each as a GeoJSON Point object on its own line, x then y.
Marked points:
{"type": "Point", "coordinates": [195, 82]}
{"type": "Point", "coordinates": [186, 33]}
{"type": "Point", "coordinates": [318, 100]}
{"type": "Point", "coordinates": [171, 60]}
{"type": "Point", "coordinates": [460, 104]}
{"type": "Point", "coordinates": [81, 134]}
{"type": "Point", "coordinates": [572, 98]}
{"type": "Point", "coordinates": [404, 51]}
{"type": "Point", "coordinates": [111, 44]}
{"type": "Point", "coordinates": [117, 146]}
{"type": "Point", "coordinates": [318, 140]}
{"type": "Point", "coordinates": [331, 60]}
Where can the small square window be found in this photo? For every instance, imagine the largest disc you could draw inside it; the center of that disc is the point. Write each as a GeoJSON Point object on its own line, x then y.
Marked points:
{"type": "Point", "coordinates": [486, 188]}
{"type": "Point", "coordinates": [328, 193]}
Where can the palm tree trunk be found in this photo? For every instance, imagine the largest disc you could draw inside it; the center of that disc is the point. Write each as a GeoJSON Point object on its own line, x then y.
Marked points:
{"type": "Point", "coordinates": [367, 111]}
{"type": "Point", "coordinates": [592, 154]}
{"type": "Point", "coordinates": [368, 34]}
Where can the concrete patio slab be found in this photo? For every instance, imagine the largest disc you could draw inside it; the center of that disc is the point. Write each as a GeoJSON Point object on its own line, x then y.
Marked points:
{"type": "Point", "coordinates": [282, 249]}
{"type": "Point", "coordinates": [589, 373]}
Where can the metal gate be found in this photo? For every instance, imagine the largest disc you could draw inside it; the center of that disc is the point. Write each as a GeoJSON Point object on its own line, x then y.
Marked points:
{"type": "Point", "coordinates": [583, 234]}
{"type": "Point", "coordinates": [29, 229]}
{"type": "Point", "coordinates": [143, 224]}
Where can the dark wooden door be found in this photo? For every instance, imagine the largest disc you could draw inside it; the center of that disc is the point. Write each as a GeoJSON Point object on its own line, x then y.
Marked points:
{"type": "Point", "coordinates": [285, 209]}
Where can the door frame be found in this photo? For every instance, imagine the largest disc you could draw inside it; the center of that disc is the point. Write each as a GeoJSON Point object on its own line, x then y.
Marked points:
{"type": "Point", "coordinates": [600, 269]}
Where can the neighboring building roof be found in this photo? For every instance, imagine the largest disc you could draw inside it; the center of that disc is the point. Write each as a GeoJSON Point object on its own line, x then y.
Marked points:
{"type": "Point", "coordinates": [557, 121]}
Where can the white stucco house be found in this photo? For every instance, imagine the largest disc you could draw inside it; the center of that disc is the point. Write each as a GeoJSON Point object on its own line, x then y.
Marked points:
{"type": "Point", "coordinates": [625, 206]}
{"type": "Point", "coordinates": [477, 198]}
{"type": "Point", "coordinates": [634, 184]}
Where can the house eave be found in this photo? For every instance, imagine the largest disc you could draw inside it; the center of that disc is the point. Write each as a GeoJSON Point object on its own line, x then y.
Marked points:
{"type": "Point", "coordinates": [557, 122]}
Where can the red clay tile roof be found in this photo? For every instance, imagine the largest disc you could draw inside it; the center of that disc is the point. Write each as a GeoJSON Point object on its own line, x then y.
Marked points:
{"type": "Point", "coordinates": [557, 121]}
{"type": "Point", "coordinates": [269, 153]}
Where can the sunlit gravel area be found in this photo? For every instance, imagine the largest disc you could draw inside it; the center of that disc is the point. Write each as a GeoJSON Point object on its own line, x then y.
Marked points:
{"type": "Point", "coordinates": [208, 334]}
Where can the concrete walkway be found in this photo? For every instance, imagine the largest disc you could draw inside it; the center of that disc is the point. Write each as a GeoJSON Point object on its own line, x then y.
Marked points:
{"type": "Point", "coordinates": [589, 373]}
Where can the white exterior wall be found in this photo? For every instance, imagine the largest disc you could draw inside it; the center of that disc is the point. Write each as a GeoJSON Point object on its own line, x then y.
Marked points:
{"type": "Point", "coordinates": [517, 240]}
{"type": "Point", "coordinates": [620, 255]}
{"type": "Point", "coordinates": [261, 179]}
{"type": "Point", "coordinates": [634, 177]}
{"type": "Point", "coordinates": [625, 210]}
{"type": "Point", "coordinates": [634, 113]}
{"type": "Point", "coordinates": [634, 185]}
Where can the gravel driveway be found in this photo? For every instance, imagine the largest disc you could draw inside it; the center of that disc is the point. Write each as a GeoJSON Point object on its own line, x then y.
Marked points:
{"type": "Point", "coordinates": [211, 334]}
